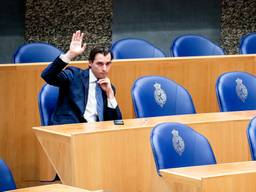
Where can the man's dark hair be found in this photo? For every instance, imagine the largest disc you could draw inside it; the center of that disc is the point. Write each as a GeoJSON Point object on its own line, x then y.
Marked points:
{"type": "Point", "coordinates": [101, 50]}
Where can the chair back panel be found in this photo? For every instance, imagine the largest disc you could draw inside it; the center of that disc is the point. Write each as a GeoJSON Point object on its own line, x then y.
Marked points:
{"type": "Point", "coordinates": [236, 91]}
{"type": "Point", "coordinates": [159, 96]}
{"type": "Point", "coordinates": [47, 101]}
{"type": "Point", "coordinates": [36, 52]}
{"type": "Point", "coordinates": [6, 179]}
{"type": "Point", "coordinates": [251, 135]}
{"type": "Point", "coordinates": [177, 145]}
{"type": "Point", "coordinates": [135, 48]}
{"type": "Point", "coordinates": [194, 45]}
{"type": "Point", "coordinates": [248, 44]}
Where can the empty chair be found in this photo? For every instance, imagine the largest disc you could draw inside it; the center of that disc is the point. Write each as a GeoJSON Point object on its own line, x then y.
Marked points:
{"type": "Point", "coordinates": [35, 52]}
{"type": "Point", "coordinates": [248, 44]}
{"type": "Point", "coordinates": [47, 101]}
{"type": "Point", "coordinates": [159, 96]}
{"type": "Point", "coordinates": [6, 179]}
{"type": "Point", "coordinates": [135, 48]}
{"type": "Point", "coordinates": [194, 45]}
{"type": "Point", "coordinates": [177, 145]}
{"type": "Point", "coordinates": [251, 135]}
{"type": "Point", "coordinates": [236, 91]}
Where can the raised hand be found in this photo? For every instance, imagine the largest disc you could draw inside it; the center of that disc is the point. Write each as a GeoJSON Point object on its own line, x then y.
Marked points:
{"type": "Point", "coordinates": [76, 45]}
{"type": "Point", "coordinates": [105, 85]}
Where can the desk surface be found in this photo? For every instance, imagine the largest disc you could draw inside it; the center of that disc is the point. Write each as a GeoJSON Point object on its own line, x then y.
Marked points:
{"type": "Point", "coordinates": [53, 188]}
{"type": "Point", "coordinates": [85, 128]}
{"type": "Point", "coordinates": [209, 171]}
{"type": "Point", "coordinates": [228, 177]}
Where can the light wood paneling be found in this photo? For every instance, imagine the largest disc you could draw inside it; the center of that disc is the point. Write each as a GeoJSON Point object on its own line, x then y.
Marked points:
{"type": "Point", "coordinates": [53, 188]}
{"type": "Point", "coordinates": [20, 84]}
{"type": "Point", "coordinates": [228, 177]}
{"type": "Point", "coordinates": [119, 157]}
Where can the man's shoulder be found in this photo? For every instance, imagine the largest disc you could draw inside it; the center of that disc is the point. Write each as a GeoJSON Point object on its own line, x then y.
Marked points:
{"type": "Point", "coordinates": [77, 69]}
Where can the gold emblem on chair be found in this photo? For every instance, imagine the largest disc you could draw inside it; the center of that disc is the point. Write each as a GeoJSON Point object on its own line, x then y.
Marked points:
{"type": "Point", "coordinates": [160, 95]}
{"type": "Point", "coordinates": [241, 90]}
{"type": "Point", "coordinates": [177, 142]}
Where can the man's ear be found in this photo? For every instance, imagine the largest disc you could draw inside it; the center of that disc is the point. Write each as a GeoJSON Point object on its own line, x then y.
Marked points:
{"type": "Point", "coordinates": [90, 63]}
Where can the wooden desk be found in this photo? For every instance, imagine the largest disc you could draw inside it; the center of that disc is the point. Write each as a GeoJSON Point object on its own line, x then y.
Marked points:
{"type": "Point", "coordinates": [228, 177]}
{"type": "Point", "coordinates": [20, 85]}
{"type": "Point", "coordinates": [53, 188]}
{"type": "Point", "coordinates": [119, 158]}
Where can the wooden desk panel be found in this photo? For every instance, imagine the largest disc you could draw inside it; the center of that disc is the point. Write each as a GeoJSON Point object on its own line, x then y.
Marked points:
{"type": "Point", "coordinates": [228, 177]}
{"type": "Point", "coordinates": [53, 188]}
{"type": "Point", "coordinates": [20, 85]}
{"type": "Point", "coordinates": [106, 156]}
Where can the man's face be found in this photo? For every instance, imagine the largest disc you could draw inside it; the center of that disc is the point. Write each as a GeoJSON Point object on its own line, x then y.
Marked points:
{"type": "Point", "coordinates": [101, 65]}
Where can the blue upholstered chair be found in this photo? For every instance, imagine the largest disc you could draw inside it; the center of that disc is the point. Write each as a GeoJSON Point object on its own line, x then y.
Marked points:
{"type": "Point", "coordinates": [47, 101]}
{"type": "Point", "coordinates": [194, 45]}
{"type": "Point", "coordinates": [251, 135]}
{"type": "Point", "coordinates": [6, 179]}
{"type": "Point", "coordinates": [131, 48]}
{"type": "Point", "coordinates": [35, 52]}
{"type": "Point", "coordinates": [177, 145]}
{"type": "Point", "coordinates": [236, 91]}
{"type": "Point", "coordinates": [248, 44]}
{"type": "Point", "coordinates": [159, 96]}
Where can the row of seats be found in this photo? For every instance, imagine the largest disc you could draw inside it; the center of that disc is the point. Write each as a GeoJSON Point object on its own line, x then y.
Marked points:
{"type": "Point", "coordinates": [236, 91]}
{"type": "Point", "coordinates": [185, 45]}
{"type": "Point", "coordinates": [177, 145]}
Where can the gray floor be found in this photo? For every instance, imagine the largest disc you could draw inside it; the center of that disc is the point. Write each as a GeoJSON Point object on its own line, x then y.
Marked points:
{"type": "Point", "coordinates": [160, 21]}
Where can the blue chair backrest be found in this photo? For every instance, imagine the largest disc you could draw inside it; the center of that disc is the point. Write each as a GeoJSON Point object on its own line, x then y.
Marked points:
{"type": "Point", "coordinates": [36, 52]}
{"type": "Point", "coordinates": [194, 45]}
{"type": "Point", "coordinates": [159, 96]}
{"type": "Point", "coordinates": [248, 44]}
{"type": "Point", "coordinates": [251, 135]}
{"type": "Point", "coordinates": [135, 48]}
{"type": "Point", "coordinates": [6, 179]}
{"type": "Point", "coordinates": [236, 91]}
{"type": "Point", "coordinates": [47, 101]}
{"type": "Point", "coordinates": [177, 145]}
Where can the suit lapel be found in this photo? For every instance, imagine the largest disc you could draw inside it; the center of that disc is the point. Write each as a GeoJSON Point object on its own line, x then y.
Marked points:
{"type": "Point", "coordinates": [81, 92]}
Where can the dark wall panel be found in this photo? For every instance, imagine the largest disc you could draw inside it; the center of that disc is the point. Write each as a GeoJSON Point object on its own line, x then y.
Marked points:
{"type": "Point", "coordinates": [161, 21]}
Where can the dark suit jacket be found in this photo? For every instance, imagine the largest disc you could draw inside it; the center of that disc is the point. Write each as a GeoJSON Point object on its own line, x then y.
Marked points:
{"type": "Point", "coordinates": [74, 84]}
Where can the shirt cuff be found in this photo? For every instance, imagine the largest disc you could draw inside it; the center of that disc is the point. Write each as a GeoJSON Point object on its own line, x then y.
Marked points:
{"type": "Point", "coordinates": [112, 103]}
{"type": "Point", "coordinates": [64, 58]}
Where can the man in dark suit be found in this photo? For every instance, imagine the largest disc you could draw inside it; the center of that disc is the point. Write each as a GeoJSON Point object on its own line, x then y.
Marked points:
{"type": "Point", "coordinates": [84, 95]}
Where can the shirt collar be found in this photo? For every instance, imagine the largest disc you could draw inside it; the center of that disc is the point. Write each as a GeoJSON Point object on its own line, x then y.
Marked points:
{"type": "Point", "coordinates": [92, 78]}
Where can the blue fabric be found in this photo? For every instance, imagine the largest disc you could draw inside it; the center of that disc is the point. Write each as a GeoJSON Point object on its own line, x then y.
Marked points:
{"type": "Point", "coordinates": [131, 48]}
{"type": "Point", "coordinates": [99, 102]}
{"type": "Point", "coordinates": [251, 135]}
{"type": "Point", "coordinates": [236, 91]}
{"type": "Point", "coordinates": [178, 100]}
{"type": "Point", "coordinates": [194, 45]}
{"type": "Point", "coordinates": [35, 52]}
{"type": "Point", "coordinates": [6, 179]}
{"type": "Point", "coordinates": [248, 44]}
{"type": "Point", "coordinates": [177, 145]}
{"type": "Point", "coordinates": [47, 101]}
{"type": "Point", "coordinates": [73, 86]}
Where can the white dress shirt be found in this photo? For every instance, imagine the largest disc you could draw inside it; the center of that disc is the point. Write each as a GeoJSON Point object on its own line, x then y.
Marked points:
{"type": "Point", "coordinates": [90, 113]}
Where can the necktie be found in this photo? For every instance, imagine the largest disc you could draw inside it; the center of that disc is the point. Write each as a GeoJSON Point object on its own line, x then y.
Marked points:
{"type": "Point", "coordinates": [99, 100]}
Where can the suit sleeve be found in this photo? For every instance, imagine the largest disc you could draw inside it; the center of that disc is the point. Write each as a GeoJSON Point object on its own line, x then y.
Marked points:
{"type": "Point", "coordinates": [54, 74]}
{"type": "Point", "coordinates": [113, 114]}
